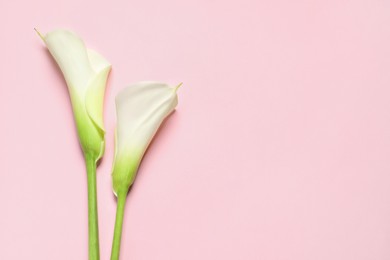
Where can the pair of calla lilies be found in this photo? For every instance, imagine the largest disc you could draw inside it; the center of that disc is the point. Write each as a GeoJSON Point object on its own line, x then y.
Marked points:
{"type": "Point", "coordinates": [140, 108]}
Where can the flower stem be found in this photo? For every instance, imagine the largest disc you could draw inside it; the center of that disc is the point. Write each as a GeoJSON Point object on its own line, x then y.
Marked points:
{"type": "Point", "coordinates": [93, 229]}
{"type": "Point", "coordinates": [120, 210]}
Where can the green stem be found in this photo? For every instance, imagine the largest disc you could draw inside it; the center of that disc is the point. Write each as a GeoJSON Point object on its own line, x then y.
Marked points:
{"type": "Point", "coordinates": [93, 229]}
{"type": "Point", "coordinates": [120, 210]}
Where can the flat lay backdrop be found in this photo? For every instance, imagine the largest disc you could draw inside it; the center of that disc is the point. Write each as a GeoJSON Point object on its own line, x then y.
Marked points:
{"type": "Point", "coordinates": [279, 148]}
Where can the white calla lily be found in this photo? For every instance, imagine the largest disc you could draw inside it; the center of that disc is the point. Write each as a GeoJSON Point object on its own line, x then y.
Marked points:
{"type": "Point", "coordinates": [141, 108]}
{"type": "Point", "coordinates": [85, 72]}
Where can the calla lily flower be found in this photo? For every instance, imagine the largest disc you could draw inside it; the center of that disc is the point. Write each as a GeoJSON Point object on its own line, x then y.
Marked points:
{"type": "Point", "coordinates": [141, 108]}
{"type": "Point", "coordinates": [85, 72]}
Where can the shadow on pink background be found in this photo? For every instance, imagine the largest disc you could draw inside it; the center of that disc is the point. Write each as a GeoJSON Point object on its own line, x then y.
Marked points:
{"type": "Point", "coordinates": [279, 148]}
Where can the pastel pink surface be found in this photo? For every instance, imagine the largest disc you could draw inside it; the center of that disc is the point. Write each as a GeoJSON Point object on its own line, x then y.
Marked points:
{"type": "Point", "coordinates": [279, 149]}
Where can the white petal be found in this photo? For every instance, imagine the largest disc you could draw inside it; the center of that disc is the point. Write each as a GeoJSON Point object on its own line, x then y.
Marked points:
{"type": "Point", "coordinates": [85, 72]}
{"type": "Point", "coordinates": [71, 56]}
{"type": "Point", "coordinates": [97, 61]}
{"type": "Point", "coordinates": [141, 108]}
{"type": "Point", "coordinates": [95, 94]}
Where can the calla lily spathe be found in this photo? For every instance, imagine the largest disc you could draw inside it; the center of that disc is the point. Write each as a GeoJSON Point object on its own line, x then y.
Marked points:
{"type": "Point", "coordinates": [85, 72]}
{"type": "Point", "coordinates": [141, 108]}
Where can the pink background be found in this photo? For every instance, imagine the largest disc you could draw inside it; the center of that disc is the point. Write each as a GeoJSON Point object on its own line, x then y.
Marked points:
{"type": "Point", "coordinates": [279, 149]}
